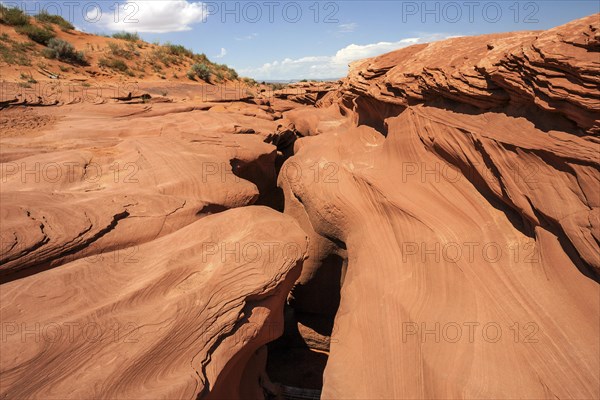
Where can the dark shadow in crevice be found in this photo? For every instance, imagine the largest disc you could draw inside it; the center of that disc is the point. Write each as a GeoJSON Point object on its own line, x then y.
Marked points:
{"type": "Point", "coordinates": [298, 358]}
{"type": "Point", "coordinates": [291, 362]}
{"type": "Point", "coordinates": [321, 294]}
{"type": "Point", "coordinates": [543, 120]}
{"type": "Point", "coordinates": [211, 209]}
{"type": "Point", "coordinates": [517, 220]}
{"type": "Point", "coordinates": [373, 113]}
{"type": "Point", "coordinates": [263, 174]}
{"type": "Point", "coordinates": [568, 247]}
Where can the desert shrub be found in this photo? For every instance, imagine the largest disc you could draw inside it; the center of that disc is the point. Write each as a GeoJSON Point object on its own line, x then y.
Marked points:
{"type": "Point", "coordinates": [275, 86]}
{"type": "Point", "coordinates": [163, 55]}
{"type": "Point", "coordinates": [13, 55]}
{"type": "Point", "coordinates": [202, 71]}
{"type": "Point", "coordinates": [38, 35]}
{"type": "Point", "coordinates": [28, 78]}
{"type": "Point", "coordinates": [201, 58]}
{"type": "Point", "coordinates": [64, 51]}
{"type": "Point", "coordinates": [191, 75]}
{"type": "Point", "coordinates": [132, 49]}
{"type": "Point", "coordinates": [118, 65]}
{"type": "Point", "coordinates": [50, 53]}
{"type": "Point", "coordinates": [13, 52]}
{"type": "Point", "coordinates": [13, 16]}
{"type": "Point", "coordinates": [178, 50]}
{"type": "Point", "coordinates": [130, 37]}
{"type": "Point", "coordinates": [232, 74]}
{"type": "Point", "coordinates": [250, 82]}
{"type": "Point", "coordinates": [54, 19]}
{"type": "Point", "coordinates": [117, 50]}
{"type": "Point", "coordinates": [220, 76]}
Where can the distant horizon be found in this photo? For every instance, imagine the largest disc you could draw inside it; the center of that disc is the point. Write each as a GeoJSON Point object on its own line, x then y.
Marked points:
{"type": "Point", "coordinates": [314, 40]}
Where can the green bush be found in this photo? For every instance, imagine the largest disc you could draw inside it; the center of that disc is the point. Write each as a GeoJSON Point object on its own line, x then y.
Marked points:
{"type": "Point", "coordinates": [201, 58]}
{"type": "Point", "coordinates": [64, 51]}
{"type": "Point", "coordinates": [178, 50]}
{"type": "Point", "coordinates": [13, 54]}
{"type": "Point", "coordinates": [130, 37]}
{"type": "Point", "coordinates": [118, 65]}
{"type": "Point", "coordinates": [251, 82]}
{"type": "Point", "coordinates": [162, 54]}
{"type": "Point", "coordinates": [13, 16]}
{"type": "Point", "coordinates": [202, 71]}
{"type": "Point", "coordinates": [28, 78]}
{"type": "Point", "coordinates": [232, 74]}
{"type": "Point", "coordinates": [38, 35]}
{"type": "Point", "coordinates": [54, 19]}
{"type": "Point", "coordinates": [119, 51]}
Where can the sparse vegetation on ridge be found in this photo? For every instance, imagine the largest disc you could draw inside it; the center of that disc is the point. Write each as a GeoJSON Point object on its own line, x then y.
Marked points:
{"type": "Point", "coordinates": [64, 51]}
{"type": "Point", "coordinates": [13, 16]}
{"type": "Point", "coordinates": [201, 71]}
{"type": "Point", "coordinates": [114, 64]}
{"type": "Point", "coordinates": [37, 34]}
{"type": "Point", "coordinates": [14, 53]}
{"type": "Point", "coordinates": [129, 54]}
{"type": "Point", "coordinates": [44, 17]}
{"type": "Point", "coordinates": [130, 37]}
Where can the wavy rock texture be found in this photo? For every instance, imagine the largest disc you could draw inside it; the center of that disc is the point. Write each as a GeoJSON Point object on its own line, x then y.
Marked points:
{"type": "Point", "coordinates": [117, 279]}
{"type": "Point", "coordinates": [442, 214]}
{"type": "Point", "coordinates": [99, 184]}
{"type": "Point", "coordinates": [466, 208]}
{"type": "Point", "coordinates": [181, 318]}
{"type": "Point", "coordinates": [553, 72]}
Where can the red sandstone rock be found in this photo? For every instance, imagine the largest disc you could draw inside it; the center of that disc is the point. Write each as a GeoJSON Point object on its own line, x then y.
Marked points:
{"type": "Point", "coordinates": [470, 230]}
{"type": "Point", "coordinates": [445, 196]}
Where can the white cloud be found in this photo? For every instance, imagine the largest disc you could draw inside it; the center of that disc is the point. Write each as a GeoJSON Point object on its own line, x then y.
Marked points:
{"type": "Point", "coordinates": [222, 54]}
{"type": "Point", "coordinates": [154, 16]}
{"type": "Point", "coordinates": [248, 37]}
{"type": "Point", "coordinates": [347, 28]}
{"type": "Point", "coordinates": [334, 66]}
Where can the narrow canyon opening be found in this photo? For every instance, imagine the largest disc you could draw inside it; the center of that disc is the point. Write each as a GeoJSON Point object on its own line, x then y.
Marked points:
{"type": "Point", "coordinates": [297, 360]}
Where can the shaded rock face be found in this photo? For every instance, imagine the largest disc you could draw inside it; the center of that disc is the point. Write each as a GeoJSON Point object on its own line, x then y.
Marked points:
{"type": "Point", "coordinates": [465, 205]}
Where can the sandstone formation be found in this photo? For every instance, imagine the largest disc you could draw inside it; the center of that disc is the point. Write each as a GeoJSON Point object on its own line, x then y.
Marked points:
{"type": "Point", "coordinates": [131, 242]}
{"type": "Point", "coordinates": [466, 208]}
{"type": "Point", "coordinates": [426, 228]}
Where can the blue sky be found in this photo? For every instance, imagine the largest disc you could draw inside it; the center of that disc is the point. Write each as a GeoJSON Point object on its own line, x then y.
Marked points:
{"type": "Point", "coordinates": [308, 39]}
